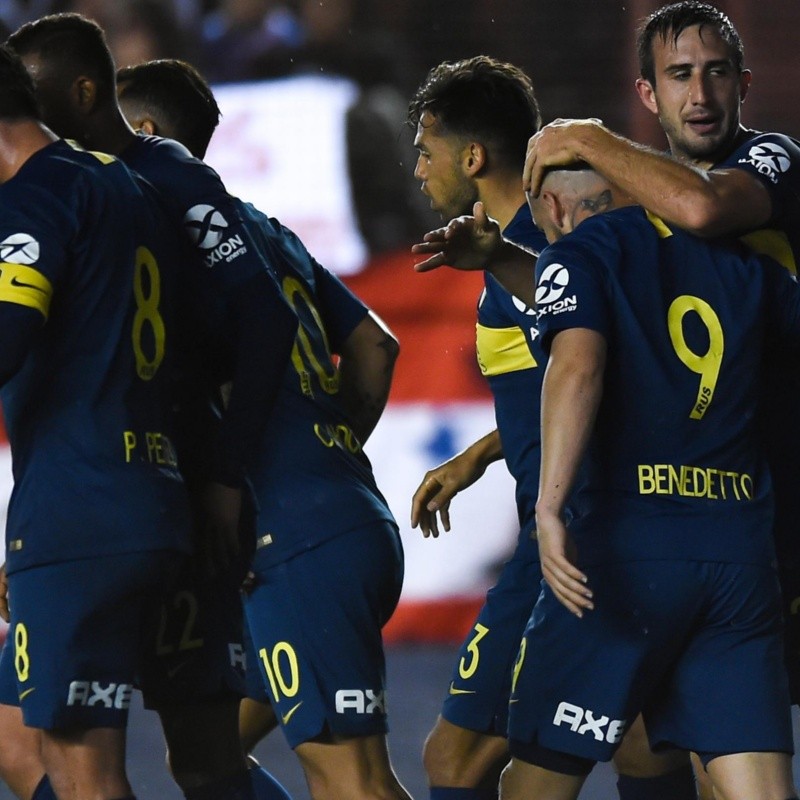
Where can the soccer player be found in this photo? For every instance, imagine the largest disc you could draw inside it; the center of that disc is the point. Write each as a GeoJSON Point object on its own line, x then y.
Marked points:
{"type": "Point", "coordinates": [316, 631]}
{"type": "Point", "coordinates": [98, 518]}
{"type": "Point", "coordinates": [662, 596]}
{"type": "Point", "coordinates": [722, 179]}
{"type": "Point", "coordinates": [473, 119]}
{"type": "Point", "coordinates": [243, 332]}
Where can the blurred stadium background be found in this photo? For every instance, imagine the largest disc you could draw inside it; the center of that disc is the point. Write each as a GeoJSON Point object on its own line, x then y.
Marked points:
{"type": "Point", "coordinates": [313, 95]}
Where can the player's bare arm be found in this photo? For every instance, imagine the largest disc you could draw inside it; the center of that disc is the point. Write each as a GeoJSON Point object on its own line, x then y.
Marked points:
{"type": "Point", "coordinates": [366, 368]}
{"type": "Point", "coordinates": [571, 393]}
{"type": "Point", "coordinates": [706, 203]}
{"type": "Point", "coordinates": [441, 484]}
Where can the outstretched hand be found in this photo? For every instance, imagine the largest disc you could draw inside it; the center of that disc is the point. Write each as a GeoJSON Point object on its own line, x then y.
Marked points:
{"type": "Point", "coordinates": [465, 243]}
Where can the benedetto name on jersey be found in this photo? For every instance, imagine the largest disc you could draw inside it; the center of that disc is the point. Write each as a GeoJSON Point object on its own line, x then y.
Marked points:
{"type": "Point", "coordinates": [689, 481]}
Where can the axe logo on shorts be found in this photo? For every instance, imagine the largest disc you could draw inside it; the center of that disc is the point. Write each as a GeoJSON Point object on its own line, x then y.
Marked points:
{"type": "Point", "coordinates": [584, 721]}
{"type": "Point", "coordinates": [362, 701]}
{"type": "Point", "coordinates": [94, 693]}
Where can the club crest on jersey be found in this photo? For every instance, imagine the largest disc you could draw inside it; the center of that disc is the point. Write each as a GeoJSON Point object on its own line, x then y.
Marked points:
{"type": "Point", "coordinates": [770, 159]}
{"type": "Point", "coordinates": [207, 228]}
{"type": "Point", "coordinates": [550, 291]}
{"type": "Point", "coordinates": [19, 248]}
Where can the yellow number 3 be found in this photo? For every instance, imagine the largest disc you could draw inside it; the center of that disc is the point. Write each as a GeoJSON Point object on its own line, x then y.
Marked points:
{"type": "Point", "coordinates": [147, 311]}
{"type": "Point", "coordinates": [706, 365]}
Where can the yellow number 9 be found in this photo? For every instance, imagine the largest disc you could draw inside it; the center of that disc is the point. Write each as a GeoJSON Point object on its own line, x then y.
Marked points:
{"type": "Point", "coordinates": [706, 365]}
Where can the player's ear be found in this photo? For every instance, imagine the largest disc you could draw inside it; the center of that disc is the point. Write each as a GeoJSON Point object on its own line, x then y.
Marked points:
{"type": "Point", "coordinates": [147, 126]}
{"type": "Point", "coordinates": [744, 83]}
{"type": "Point", "coordinates": [84, 92]}
{"type": "Point", "coordinates": [474, 158]}
{"type": "Point", "coordinates": [555, 210]}
{"type": "Point", "coordinates": [647, 94]}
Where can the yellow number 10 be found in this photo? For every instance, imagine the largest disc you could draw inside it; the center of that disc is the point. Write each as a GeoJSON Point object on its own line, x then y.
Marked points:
{"type": "Point", "coordinates": [706, 365]}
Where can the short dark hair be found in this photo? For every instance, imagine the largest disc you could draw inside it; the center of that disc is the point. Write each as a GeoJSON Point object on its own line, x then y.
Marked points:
{"type": "Point", "coordinates": [17, 93]}
{"type": "Point", "coordinates": [485, 98]}
{"type": "Point", "coordinates": [669, 22]}
{"type": "Point", "coordinates": [176, 95]}
{"type": "Point", "coordinates": [70, 44]}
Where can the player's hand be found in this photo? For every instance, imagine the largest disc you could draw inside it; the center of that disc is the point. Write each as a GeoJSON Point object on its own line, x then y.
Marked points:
{"type": "Point", "coordinates": [557, 552]}
{"type": "Point", "coordinates": [218, 526]}
{"type": "Point", "coordinates": [4, 612]}
{"type": "Point", "coordinates": [465, 243]}
{"type": "Point", "coordinates": [439, 486]}
{"type": "Point", "coordinates": [555, 145]}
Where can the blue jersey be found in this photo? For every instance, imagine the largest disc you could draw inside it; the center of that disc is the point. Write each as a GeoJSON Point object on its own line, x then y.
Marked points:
{"type": "Point", "coordinates": [87, 413]}
{"type": "Point", "coordinates": [775, 160]}
{"type": "Point", "coordinates": [311, 477]}
{"type": "Point", "coordinates": [511, 357]}
{"type": "Point", "coordinates": [675, 469]}
{"type": "Point", "coordinates": [223, 253]}
{"type": "Point", "coordinates": [227, 308]}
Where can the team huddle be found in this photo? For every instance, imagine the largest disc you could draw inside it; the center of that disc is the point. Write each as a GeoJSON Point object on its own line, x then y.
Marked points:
{"type": "Point", "coordinates": [187, 395]}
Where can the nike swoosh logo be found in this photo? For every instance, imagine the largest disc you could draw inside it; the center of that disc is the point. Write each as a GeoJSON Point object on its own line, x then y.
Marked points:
{"type": "Point", "coordinates": [290, 713]}
{"type": "Point", "coordinates": [20, 284]}
{"type": "Point", "coordinates": [173, 671]}
{"type": "Point", "coordinates": [26, 693]}
{"type": "Point", "coordinates": [453, 690]}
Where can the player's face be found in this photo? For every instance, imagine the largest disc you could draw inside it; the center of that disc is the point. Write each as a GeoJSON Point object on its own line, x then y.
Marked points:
{"type": "Point", "coordinates": [697, 94]}
{"type": "Point", "coordinates": [441, 169]}
{"type": "Point", "coordinates": [54, 99]}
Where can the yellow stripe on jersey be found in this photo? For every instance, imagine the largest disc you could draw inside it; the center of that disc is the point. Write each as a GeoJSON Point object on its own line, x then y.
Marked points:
{"type": "Point", "coordinates": [773, 243]}
{"type": "Point", "coordinates": [663, 231]}
{"type": "Point", "coordinates": [25, 286]}
{"type": "Point", "coordinates": [502, 350]}
{"type": "Point", "coordinates": [103, 158]}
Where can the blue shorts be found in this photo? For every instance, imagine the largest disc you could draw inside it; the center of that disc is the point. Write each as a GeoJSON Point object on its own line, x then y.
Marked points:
{"type": "Point", "coordinates": [196, 649]}
{"type": "Point", "coordinates": [315, 622]}
{"type": "Point", "coordinates": [477, 697]}
{"type": "Point", "coordinates": [696, 646]}
{"type": "Point", "coordinates": [77, 635]}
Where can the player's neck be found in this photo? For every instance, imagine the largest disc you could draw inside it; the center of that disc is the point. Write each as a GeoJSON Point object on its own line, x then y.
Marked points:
{"type": "Point", "coordinates": [502, 196]}
{"type": "Point", "coordinates": [109, 133]}
{"type": "Point", "coordinates": [19, 140]}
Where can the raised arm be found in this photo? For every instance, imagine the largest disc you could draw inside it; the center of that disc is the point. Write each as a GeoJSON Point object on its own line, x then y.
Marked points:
{"type": "Point", "coordinates": [705, 202]}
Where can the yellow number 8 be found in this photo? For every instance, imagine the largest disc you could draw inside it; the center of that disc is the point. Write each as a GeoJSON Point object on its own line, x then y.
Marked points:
{"type": "Point", "coordinates": [147, 311]}
{"type": "Point", "coordinates": [22, 661]}
{"type": "Point", "coordinates": [706, 365]}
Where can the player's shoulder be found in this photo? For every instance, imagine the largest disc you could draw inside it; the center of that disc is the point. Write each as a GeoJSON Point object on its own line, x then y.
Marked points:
{"type": "Point", "coordinates": [61, 176]}
{"type": "Point", "coordinates": [170, 167]}
{"type": "Point", "coordinates": [771, 154]}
